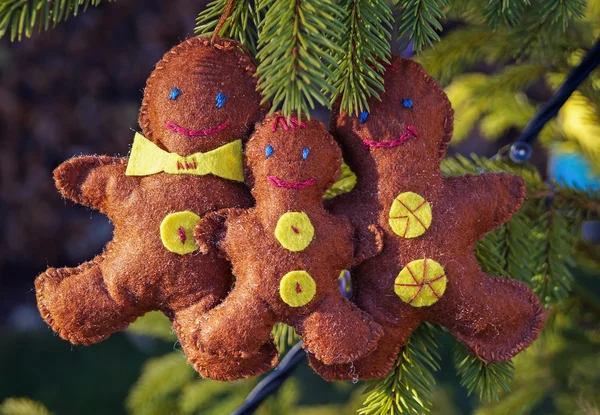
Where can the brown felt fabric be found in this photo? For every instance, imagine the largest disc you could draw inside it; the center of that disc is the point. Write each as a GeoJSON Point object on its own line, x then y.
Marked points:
{"type": "Point", "coordinates": [495, 318]}
{"type": "Point", "coordinates": [333, 329]}
{"type": "Point", "coordinates": [136, 273]}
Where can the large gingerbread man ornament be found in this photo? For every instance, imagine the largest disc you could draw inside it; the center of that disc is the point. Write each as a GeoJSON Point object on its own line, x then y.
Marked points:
{"type": "Point", "coordinates": [427, 270]}
{"type": "Point", "coordinates": [199, 104]}
{"type": "Point", "coordinates": [287, 254]}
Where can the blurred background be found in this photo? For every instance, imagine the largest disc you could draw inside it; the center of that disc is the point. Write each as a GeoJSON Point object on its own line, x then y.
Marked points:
{"type": "Point", "coordinates": [77, 90]}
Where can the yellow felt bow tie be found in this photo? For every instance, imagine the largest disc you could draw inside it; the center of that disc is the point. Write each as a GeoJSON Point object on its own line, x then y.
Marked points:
{"type": "Point", "coordinates": [147, 158]}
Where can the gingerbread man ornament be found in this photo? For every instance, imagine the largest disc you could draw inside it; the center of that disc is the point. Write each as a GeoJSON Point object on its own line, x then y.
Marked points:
{"type": "Point", "coordinates": [199, 104]}
{"type": "Point", "coordinates": [427, 270]}
{"type": "Point", "coordinates": [287, 253]}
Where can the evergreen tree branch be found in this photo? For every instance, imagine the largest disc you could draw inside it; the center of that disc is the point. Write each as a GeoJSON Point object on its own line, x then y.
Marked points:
{"type": "Point", "coordinates": [161, 377]}
{"type": "Point", "coordinates": [409, 387]}
{"type": "Point", "coordinates": [486, 380]}
{"type": "Point", "coordinates": [419, 21]}
{"type": "Point", "coordinates": [504, 12]}
{"type": "Point", "coordinates": [25, 17]}
{"type": "Point", "coordinates": [240, 25]}
{"type": "Point", "coordinates": [298, 42]}
{"type": "Point", "coordinates": [366, 47]}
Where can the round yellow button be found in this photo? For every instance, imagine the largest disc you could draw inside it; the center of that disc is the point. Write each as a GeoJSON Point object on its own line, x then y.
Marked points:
{"type": "Point", "coordinates": [294, 231]}
{"type": "Point", "coordinates": [421, 283]}
{"type": "Point", "coordinates": [177, 232]}
{"type": "Point", "coordinates": [410, 215]}
{"type": "Point", "coordinates": [297, 288]}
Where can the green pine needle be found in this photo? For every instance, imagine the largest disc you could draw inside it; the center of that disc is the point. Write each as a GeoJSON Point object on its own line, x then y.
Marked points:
{"type": "Point", "coordinates": [25, 17]}
{"type": "Point", "coordinates": [298, 42]}
{"type": "Point", "coordinates": [487, 380]}
{"type": "Point", "coordinates": [408, 389]}
{"type": "Point", "coordinates": [285, 337]}
{"type": "Point", "coordinates": [419, 22]}
{"type": "Point", "coordinates": [160, 378]}
{"type": "Point", "coordinates": [366, 46]}
{"type": "Point", "coordinates": [504, 12]}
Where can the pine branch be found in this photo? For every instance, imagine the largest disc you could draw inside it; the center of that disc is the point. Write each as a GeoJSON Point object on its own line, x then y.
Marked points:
{"type": "Point", "coordinates": [409, 387]}
{"type": "Point", "coordinates": [160, 378]}
{"type": "Point", "coordinates": [419, 22]}
{"type": "Point", "coordinates": [486, 380]}
{"type": "Point", "coordinates": [366, 47]}
{"type": "Point", "coordinates": [201, 396]}
{"type": "Point", "coordinates": [25, 17]}
{"type": "Point", "coordinates": [463, 48]}
{"type": "Point", "coordinates": [285, 337]}
{"type": "Point", "coordinates": [154, 324]}
{"type": "Point", "coordinates": [491, 252]}
{"type": "Point", "coordinates": [240, 25]}
{"type": "Point", "coordinates": [22, 406]}
{"type": "Point", "coordinates": [504, 12]}
{"type": "Point", "coordinates": [297, 45]}
{"type": "Point", "coordinates": [344, 183]}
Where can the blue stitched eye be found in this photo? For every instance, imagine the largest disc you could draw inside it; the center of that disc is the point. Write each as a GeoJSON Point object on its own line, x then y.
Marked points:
{"type": "Point", "coordinates": [220, 99]}
{"type": "Point", "coordinates": [305, 153]}
{"type": "Point", "coordinates": [174, 94]}
{"type": "Point", "coordinates": [407, 103]}
{"type": "Point", "coordinates": [363, 116]}
{"type": "Point", "coordinates": [268, 151]}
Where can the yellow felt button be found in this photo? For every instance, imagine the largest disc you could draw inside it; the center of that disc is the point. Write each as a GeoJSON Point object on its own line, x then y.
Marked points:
{"type": "Point", "coordinates": [421, 283]}
{"type": "Point", "coordinates": [410, 215]}
{"type": "Point", "coordinates": [297, 288]}
{"type": "Point", "coordinates": [177, 232]}
{"type": "Point", "coordinates": [294, 231]}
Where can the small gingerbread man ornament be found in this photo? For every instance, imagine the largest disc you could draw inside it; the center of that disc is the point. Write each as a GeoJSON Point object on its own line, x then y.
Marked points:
{"type": "Point", "coordinates": [199, 104]}
{"type": "Point", "coordinates": [287, 254]}
{"type": "Point", "coordinates": [427, 270]}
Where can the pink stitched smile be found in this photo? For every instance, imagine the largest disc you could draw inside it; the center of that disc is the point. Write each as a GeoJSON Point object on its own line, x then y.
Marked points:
{"type": "Point", "coordinates": [196, 133]}
{"type": "Point", "coordinates": [277, 182]}
{"type": "Point", "coordinates": [409, 133]}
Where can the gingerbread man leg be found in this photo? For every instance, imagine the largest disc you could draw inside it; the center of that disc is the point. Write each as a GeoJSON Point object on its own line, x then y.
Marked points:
{"type": "Point", "coordinates": [339, 332]}
{"type": "Point", "coordinates": [234, 338]}
{"type": "Point", "coordinates": [495, 318]}
{"type": "Point", "coordinates": [375, 365]}
{"type": "Point", "coordinates": [76, 304]}
{"type": "Point", "coordinates": [216, 366]}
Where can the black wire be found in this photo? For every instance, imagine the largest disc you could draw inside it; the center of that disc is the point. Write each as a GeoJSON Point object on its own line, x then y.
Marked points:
{"type": "Point", "coordinates": [550, 109]}
{"type": "Point", "coordinates": [273, 381]}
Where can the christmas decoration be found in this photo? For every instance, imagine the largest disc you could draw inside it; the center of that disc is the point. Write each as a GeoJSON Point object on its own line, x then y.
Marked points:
{"type": "Point", "coordinates": [287, 254]}
{"type": "Point", "coordinates": [199, 104]}
{"type": "Point", "coordinates": [427, 270]}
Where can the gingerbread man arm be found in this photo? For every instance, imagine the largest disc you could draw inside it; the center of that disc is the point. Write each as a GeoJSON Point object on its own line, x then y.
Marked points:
{"type": "Point", "coordinates": [491, 198]}
{"type": "Point", "coordinates": [368, 242]}
{"type": "Point", "coordinates": [211, 231]}
{"type": "Point", "coordinates": [92, 180]}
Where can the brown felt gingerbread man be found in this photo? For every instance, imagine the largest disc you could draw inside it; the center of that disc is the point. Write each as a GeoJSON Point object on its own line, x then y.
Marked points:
{"type": "Point", "coordinates": [287, 253]}
{"type": "Point", "coordinates": [427, 270]}
{"type": "Point", "coordinates": [199, 104]}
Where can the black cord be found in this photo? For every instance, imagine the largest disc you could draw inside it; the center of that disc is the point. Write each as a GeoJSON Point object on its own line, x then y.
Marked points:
{"type": "Point", "coordinates": [521, 149]}
{"type": "Point", "coordinates": [273, 381]}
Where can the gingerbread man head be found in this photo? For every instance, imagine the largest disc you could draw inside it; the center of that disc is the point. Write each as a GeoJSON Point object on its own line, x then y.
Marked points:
{"type": "Point", "coordinates": [308, 164]}
{"type": "Point", "coordinates": [200, 97]}
{"type": "Point", "coordinates": [413, 121]}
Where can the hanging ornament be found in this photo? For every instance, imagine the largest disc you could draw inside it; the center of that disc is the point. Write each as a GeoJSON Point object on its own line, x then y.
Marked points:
{"type": "Point", "coordinates": [287, 254]}
{"type": "Point", "coordinates": [427, 271]}
{"type": "Point", "coordinates": [199, 105]}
